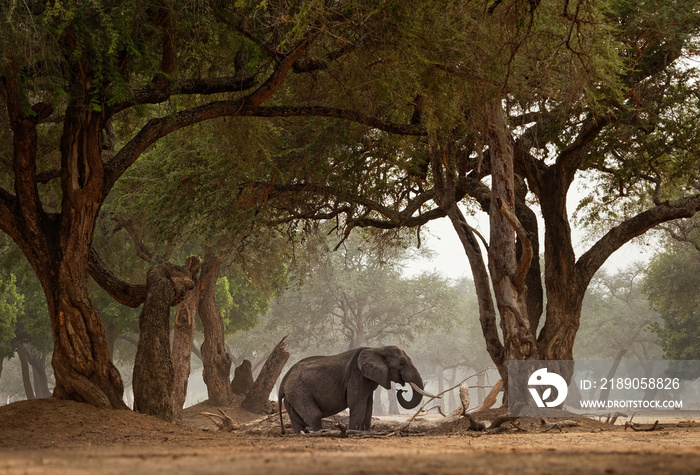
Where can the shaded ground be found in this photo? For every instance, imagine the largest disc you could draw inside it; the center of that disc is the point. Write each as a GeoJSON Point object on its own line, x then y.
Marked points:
{"type": "Point", "coordinates": [61, 437]}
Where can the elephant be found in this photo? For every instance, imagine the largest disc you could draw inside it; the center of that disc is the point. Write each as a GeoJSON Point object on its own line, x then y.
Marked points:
{"type": "Point", "coordinates": [320, 386]}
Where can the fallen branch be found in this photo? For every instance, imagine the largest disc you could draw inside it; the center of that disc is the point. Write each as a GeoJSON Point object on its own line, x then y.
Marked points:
{"type": "Point", "coordinates": [223, 421]}
{"type": "Point", "coordinates": [474, 424]}
{"type": "Point", "coordinates": [635, 427]}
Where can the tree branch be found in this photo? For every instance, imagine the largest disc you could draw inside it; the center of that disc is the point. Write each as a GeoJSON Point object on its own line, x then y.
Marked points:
{"type": "Point", "coordinates": [159, 127]}
{"type": "Point", "coordinates": [131, 295]}
{"type": "Point", "coordinates": [204, 86]}
{"type": "Point", "coordinates": [142, 250]}
{"type": "Point", "coordinates": [262, 93]}
{"type": "Point", "coordinates": [629, 229]}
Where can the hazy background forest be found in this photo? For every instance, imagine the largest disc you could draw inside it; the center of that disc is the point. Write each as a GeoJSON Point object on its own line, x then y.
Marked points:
{"type": "Point", "coordinates": [365, 295]}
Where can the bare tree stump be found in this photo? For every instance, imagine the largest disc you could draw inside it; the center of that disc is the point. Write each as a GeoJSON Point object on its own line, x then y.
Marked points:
{"type": "Point", "coordinates": [259, 395]}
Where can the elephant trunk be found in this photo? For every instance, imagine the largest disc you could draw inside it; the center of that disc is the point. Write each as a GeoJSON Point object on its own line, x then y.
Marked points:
{"type": "Point", "coordinates": [417, 396]}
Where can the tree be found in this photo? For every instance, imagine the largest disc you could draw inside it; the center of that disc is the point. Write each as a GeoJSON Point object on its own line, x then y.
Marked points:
{"type": "Point", "coordinates": [72, 72]}
{"type": "Point", "coordinates": [671, 286]}
{"type": "Point", "coordinates": [498, 101]}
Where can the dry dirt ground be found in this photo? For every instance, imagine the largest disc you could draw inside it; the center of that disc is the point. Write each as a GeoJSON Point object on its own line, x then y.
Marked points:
{"type": "Point", "coordinates": [62, 437]}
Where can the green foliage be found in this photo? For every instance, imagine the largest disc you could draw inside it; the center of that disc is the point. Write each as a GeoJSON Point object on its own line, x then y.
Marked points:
{"type": "Point", "coordinates": [191, 183]}
{"type": "Point", "coordinates": [11, 306]}
{"type": "Point", "coordinates": [652, 153]}
{"type": "Point", "coordinates": [672, 282]}
{"type": "Point", "coordinates": [23, 312]}
{"type": "Point", "coordinates": [459, 54]}
{"type": "Point", "coordinates": [243, 300]}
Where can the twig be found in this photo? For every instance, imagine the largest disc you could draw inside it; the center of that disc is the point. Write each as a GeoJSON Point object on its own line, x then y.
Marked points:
{"type": "Point", "coordinates": [635, 427]}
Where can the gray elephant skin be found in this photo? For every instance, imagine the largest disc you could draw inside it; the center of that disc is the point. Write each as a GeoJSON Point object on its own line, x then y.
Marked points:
{"type": "Point", "coordinates": [320, 386]}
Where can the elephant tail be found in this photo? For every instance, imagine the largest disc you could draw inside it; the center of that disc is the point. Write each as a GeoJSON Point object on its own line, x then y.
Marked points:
{"type": "Point", "coordinates": [280, 396]}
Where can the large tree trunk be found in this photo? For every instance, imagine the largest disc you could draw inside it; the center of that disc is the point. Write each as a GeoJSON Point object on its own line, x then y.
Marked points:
{"type": "Point", "coordinates": [153, 368]}
{"type": "Point", "coordinates": [57, 245]}
{"type": "Point", "coordinates": [564, 292]}
{"type": "Point", "coordinates": [183, 337]}
{"type": "Point", "coordinates": [215, 357]}
{"type": "Point", "coordinates": [507, 273]}
{"type": "Point", "coordinates": [259, 395]}
{"type": "Point", "coordinates": [81, 362]}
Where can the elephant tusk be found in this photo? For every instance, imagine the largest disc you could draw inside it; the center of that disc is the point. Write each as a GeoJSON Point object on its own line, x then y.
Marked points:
{"type": "Point", "coordinates": [420, 391]}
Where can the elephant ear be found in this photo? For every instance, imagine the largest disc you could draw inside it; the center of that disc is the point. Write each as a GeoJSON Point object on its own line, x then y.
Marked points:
{"type": "Point", "coordinates": [373, 366]}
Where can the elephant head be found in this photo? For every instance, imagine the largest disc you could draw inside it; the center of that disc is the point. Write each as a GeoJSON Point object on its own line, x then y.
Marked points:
{"type": "Point", "coordinates": [390, 363]}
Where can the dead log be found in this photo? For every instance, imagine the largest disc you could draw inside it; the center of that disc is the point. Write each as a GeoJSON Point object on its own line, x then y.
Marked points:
{"type": "Point", "coordinates": [474, 424]}
{"type": "Point", "coordinates": [259, 395]}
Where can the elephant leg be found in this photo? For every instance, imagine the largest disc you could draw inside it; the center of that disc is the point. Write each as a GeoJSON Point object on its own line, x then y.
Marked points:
{"type": "Point", "coordinates": [307, 413]}
{"type": "Point", "coordinates": [298, 424]}
{"type": "Point", "coordinates": [367, 421]}
{"type": "Point", "coordinates": [361, 412]}
{"type": "Point", "coordinates": [313, 417]}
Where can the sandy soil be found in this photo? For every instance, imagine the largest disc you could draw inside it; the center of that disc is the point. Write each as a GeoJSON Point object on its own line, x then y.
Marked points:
{"type": "Point", "coordinates": [60, 437]}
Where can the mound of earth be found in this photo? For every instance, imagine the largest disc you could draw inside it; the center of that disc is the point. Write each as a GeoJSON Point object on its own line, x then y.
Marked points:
{"type": "Point", "coordinates": [53, 422]}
